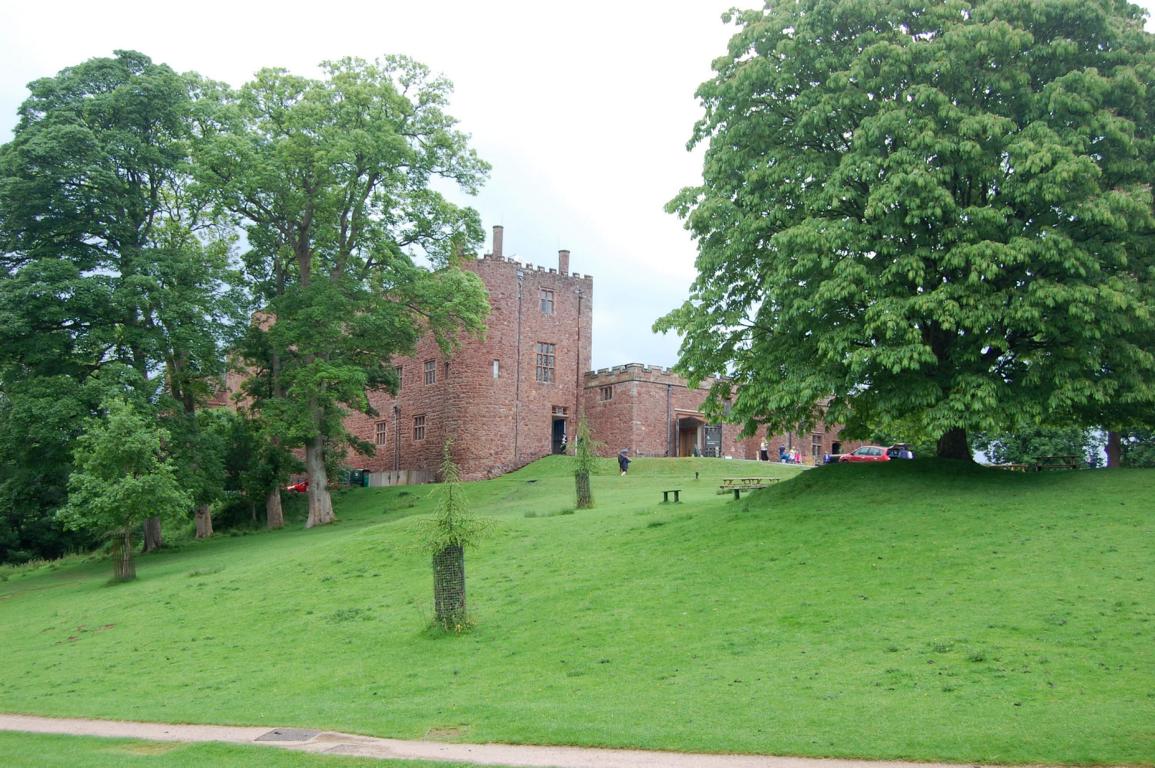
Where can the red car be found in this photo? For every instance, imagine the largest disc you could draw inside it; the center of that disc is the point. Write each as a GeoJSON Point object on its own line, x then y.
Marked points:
{"type": "Point", "coordinates": [866, 453]}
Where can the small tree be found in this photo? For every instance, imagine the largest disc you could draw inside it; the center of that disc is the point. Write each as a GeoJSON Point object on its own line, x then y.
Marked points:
{"type": "Point", "coordinates": [121, 479]}
{"type": "Point", "coordinates": [585, 458]}
{"type": "Point", "coordinates": [448, 533]}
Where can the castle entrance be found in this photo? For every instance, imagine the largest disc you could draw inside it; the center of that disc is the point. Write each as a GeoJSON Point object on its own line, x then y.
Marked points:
{"type": "Point", "coordinates": [690, 435]}
{"type": "Point", "coordinates": [558, 438]}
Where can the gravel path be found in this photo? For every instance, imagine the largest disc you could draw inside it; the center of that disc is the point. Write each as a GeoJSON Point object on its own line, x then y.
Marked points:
{"type": "Point", "coordinates": [330, 743]}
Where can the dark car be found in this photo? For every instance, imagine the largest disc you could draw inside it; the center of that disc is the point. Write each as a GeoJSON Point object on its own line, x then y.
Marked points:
{"type": "Point", "coordinates": [900, 451]}
{"type": "Point", "coordinates": [865, 453]}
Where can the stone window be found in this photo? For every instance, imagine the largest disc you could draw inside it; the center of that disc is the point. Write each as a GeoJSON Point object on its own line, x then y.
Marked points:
{"type": "Point", "coordinates": [430, 371]}
{"type": "Point", "coordinates": [560, 410]}
{"type": "Point", "coordinates": [546, 301]}
{"type": "Point", "coordinates": [546, 362]}
{"type": "Point", "coordinates": [607, 392]}
{"type": "Point", "coordinates": [398, 370]}
{"type": "Point", "coordinates": [816, 447]}
{"type": "Point", "coordinates": [446, 377]}
{"type": "Point", "coordinates": [381, 432]}
{"type": "Point", "coordinates": [419, 427]}
{"type": "Point", "coordinates": [496, 368]}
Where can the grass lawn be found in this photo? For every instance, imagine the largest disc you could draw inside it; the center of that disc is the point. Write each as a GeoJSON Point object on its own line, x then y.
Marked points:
{"type": "Point", "coordinates": [913, 610]}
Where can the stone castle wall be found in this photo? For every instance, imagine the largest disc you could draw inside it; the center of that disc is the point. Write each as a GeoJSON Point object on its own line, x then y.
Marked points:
{"type": "Point", "coordinates": [486, 394]}
{"type": "Point", "coordinates": [651, 411]}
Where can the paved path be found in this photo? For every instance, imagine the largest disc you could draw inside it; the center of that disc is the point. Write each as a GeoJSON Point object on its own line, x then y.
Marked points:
{"type": "Point", "coordinates": [330, 743]}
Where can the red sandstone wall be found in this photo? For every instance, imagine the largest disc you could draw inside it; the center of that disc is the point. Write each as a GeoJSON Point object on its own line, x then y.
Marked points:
{"type": "Point", "coordinates": [501, 423]}
{"type": "Point", "coordinates": [646, 404]}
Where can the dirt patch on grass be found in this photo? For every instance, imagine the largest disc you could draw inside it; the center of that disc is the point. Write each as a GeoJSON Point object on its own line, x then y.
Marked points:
{"type": "Point", "coordinates": [447, 732]}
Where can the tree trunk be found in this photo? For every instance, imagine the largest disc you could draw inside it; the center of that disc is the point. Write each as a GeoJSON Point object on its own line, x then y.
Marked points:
{"type": "Point", "coordinates": [274, 515]}
{"type": "Point", "coordinates": [320, 503]}
{"type": "Point", "coordinates": [204, 521]}
{"type": "Point", "coordinates": [153, 539]}
{"type": "Point", "coordinates": [585, 499]}
{"type": "Point", "coordinates": [1114, 449]}
{"type": "Point", "coordinates": [123, 566]}
{"type": "Point", "coordinates": [449, 588]}
{"type": "Point", "coordinates": [953, 445]}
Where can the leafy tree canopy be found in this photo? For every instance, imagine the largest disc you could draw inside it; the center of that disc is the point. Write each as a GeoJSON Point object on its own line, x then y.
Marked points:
{"type": "Point", "coordinates": [931, 213]}
{"type": "Point", "coordinates": [1139, 449]}
{"type": "Point", "coordinates": [122, 477]}
{"type": "Point", "coordinates": [332, 179]}
{"type": "Point", "coordinates": [1027, 445]}
{"type": "Point", "coordinates": [113, 266]}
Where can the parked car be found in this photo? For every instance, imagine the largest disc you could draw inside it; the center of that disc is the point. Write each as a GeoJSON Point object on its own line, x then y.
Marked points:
{"type": "Point", "coordinates": [900, 451]}
{"type": "Point", "coordinates": [300, 487]}
{"type": "Point", "coordinates": [866, 453]}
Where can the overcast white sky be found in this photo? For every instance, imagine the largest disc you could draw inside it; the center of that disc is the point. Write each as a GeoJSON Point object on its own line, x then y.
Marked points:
{"type": "Point", "coordinates": [582, 108]}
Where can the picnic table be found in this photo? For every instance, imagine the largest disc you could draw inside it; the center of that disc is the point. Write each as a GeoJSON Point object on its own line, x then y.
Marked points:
{"type": "Point", "coordinates": [736, 485]}
{"type": "Point", "coordinates": [1064, 461]}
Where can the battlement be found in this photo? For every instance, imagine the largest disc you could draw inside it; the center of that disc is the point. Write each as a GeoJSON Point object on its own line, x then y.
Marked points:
{"type": "Point", "coordinates": [630, 367]}
{"type": "Point", "coordinates": [655, 374]}
{"type": "Point", "coordinates": [534, 267]}
{"type": "Point", "coordinates": [562, 268]}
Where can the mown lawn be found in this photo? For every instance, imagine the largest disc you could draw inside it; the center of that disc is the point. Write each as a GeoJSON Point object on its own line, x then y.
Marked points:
{"type": "Point", "coordinates": [914, 610]}
{"type": "Point", "coordinates": [34, 750]}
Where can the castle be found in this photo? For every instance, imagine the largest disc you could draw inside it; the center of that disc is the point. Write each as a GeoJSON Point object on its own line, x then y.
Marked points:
{"type": "Point", "coordinates": [516, 395]}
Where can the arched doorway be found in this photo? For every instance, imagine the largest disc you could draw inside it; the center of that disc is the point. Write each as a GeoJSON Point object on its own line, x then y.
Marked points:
{"type": "Point", "coordinates": [689, 431]}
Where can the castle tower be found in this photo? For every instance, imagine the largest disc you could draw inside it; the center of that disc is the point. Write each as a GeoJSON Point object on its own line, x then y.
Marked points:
{"type": "Point", "coordinates": [506, 400]}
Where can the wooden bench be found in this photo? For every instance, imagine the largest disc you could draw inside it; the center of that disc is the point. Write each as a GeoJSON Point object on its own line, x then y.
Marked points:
{"type": "Point", "coordinates": [1066, 461]}
{"type": "Point", "coordinates": [736, 485]}
{"type": "Point", "coordinates": [666, 495]}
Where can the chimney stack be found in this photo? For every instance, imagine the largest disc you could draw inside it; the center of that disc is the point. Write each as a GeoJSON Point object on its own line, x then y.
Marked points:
{"type": "Point", "coordinates": [497, 232]}
{"type": "Point", "coordinates": [563, 262]}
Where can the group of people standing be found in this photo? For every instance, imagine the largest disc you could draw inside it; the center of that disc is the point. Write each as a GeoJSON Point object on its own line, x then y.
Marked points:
{"type": "Point", "coordinates": [791, 456]}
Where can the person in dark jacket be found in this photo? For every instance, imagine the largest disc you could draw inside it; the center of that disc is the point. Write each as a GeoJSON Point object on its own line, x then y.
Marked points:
{"type": "Point", "coordinates": [623, 460]}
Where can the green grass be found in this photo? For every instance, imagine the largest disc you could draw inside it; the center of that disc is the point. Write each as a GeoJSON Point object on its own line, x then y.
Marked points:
{"type": "Point", "coordinates": [913, 610]}
{"type": "Point", "coordinates": [35, 750]}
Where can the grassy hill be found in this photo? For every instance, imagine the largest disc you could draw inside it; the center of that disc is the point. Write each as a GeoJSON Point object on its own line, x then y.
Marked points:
{"type": "Point", "coordinates": [911, 610]}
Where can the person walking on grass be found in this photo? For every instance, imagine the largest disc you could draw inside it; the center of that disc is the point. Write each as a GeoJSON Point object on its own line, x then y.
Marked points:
{"type": "Point", "coordinates": [624, 461]}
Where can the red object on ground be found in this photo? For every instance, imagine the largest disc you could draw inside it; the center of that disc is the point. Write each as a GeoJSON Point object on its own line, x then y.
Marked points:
{"type": "Point", "coordinates": [866, 453]}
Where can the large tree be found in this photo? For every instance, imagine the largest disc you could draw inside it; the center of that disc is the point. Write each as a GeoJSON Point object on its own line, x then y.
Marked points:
{"type": "Point", "coordinates": [935, 214]}
{"type": "Point", "coordinates": [109, 261]}
{"type": "Point", "coordinates": [332, 180]}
